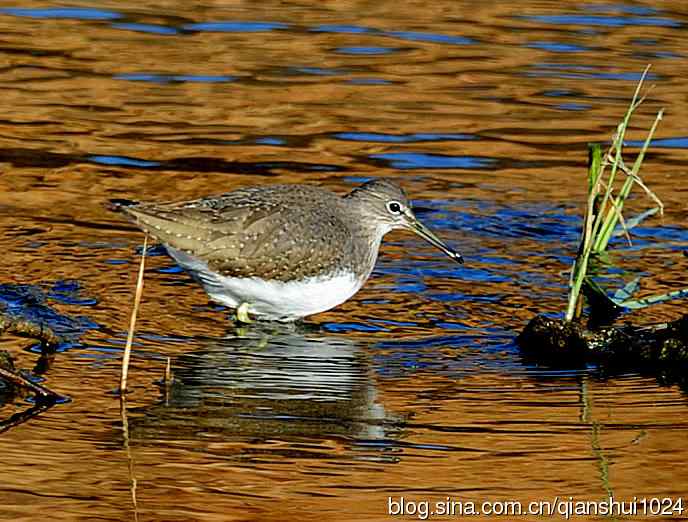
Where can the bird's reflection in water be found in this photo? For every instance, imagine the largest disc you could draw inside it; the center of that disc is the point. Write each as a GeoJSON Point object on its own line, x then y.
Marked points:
{"type": "Point", "coordinates": [268, 381]}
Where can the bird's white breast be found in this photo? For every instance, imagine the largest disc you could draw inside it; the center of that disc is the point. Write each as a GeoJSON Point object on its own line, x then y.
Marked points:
{"type": "Point", "coordinates": [272, 299]}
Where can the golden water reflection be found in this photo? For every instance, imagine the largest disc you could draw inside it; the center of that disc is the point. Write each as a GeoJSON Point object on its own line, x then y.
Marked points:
{"type": "Point", "coordinates": [414, 388]}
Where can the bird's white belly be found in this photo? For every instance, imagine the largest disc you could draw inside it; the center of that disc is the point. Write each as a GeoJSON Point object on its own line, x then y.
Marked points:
{"type": "Point", "coordinates": [272, 299]}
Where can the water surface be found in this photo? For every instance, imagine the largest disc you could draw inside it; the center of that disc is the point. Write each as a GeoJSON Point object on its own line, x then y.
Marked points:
{"type": "Point", "coordinates": [413, 388]}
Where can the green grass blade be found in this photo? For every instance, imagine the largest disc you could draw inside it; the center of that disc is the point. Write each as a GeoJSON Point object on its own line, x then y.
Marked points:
{"type": "Point", "coordinates": [594, 164]}
{"type": "Point", "coordinates": [626, 292]}
{"type": "Point", "coordinates": [580, 265]}
{"type": "Point", "coordinates": [602, 240]}
{"type": "Point", "coordinates": [635, 221]}
{"type": "Point", "coordinates": [641, 155]}
{"type": "Point", "coordinates": [608, 214]}
{"type": "Point", "coordinates": [621, 297]}
{"type": "Point", "coordinates": [612, 217]}
{"type": "Point", "coordinates": [604, 211]}
{"type": "Point", "coordinates": [637, 304]}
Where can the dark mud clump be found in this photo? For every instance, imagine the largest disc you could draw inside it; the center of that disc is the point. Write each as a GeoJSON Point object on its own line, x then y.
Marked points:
{"type": "Point", "coordinates": [556, 341]}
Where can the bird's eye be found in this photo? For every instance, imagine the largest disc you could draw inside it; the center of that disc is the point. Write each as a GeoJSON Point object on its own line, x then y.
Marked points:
{"type": "Point", "coordinates": [394, 207]}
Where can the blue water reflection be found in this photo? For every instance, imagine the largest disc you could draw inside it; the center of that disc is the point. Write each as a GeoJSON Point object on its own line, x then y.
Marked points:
{"type": "Point", "coordinates": [559, 47]}
{"type": "Point", "coordinates": [411, 36]}
{"type": "Point", "coordinates": [169, 78]}
{"type": "Point", "coordinates": [69, 13]}
{"type": "Point", "coordinates": [605, 21]}
{"type": "Point", "coordinates": [34, 303]}
{"type": "Point", "coordinates": [235, 27]}
{"type": "Point", "coordinates": [431, 37]}
{"type": "Point", "coordinates": [147, 28]}
{"type": "Point", "coordinates": [341, 28]}
{"type": "Point", "coordinates": [367, 50]}
{"type": "Point", "coordinates": [419, 160]}
{"type": "Point", "coordinates": [678, 142]}
{"type": "Point", "coordinates": [123, 161]}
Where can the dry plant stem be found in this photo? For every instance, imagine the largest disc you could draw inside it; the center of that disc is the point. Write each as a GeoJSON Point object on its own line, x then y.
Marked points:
{"type": "Point", "coordinates": [132, 322]}
{"type": "Point", "coordinates": [640, 182]}
{"type": "Point", "coordinates": [168, 381]}
{"type": "Point", "coordinates": [43, 394]}
{"type": "Point", "coordinates": [168, 371]}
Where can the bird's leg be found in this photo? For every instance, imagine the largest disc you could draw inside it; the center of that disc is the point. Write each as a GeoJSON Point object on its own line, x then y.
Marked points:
{"type": "Point", "coordinates": [242, 314]}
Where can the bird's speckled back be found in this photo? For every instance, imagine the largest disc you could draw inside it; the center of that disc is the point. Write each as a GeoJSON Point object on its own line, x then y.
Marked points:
{"type": "Point", "coordinates": [277, 232]}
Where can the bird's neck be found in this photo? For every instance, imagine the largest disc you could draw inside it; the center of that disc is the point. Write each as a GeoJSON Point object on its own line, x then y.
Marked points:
{"type": "Point", "coordinates": [367, 254]}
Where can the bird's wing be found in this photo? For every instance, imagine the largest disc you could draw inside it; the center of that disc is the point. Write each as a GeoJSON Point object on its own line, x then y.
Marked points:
{"type": "Point", "coordinates": [238, 238]}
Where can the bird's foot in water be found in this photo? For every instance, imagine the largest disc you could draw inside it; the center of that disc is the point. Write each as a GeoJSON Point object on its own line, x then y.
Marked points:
{"type": "Point", "coordinates": [242, 314]}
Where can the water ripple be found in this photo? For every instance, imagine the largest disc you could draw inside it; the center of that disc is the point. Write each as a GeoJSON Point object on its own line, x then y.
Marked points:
{"type": "Point", "coordinates": [173, 78]}
{"type": "Point", "coordinates": [163, 30]}
{"type": "Point", "coordinates": [431, 37]}
{"type": "Point", "coordinates": [69, 13]}
{"type": "Point", "coordinates": [235, 27]}
{"type": "Point", "coordinates": [367, 50]}
{"type": "Point", "coordinates": [418, 160]}
{"type": "Point", "coordinates": [377, 137]}
{"type": "Point", "coordinates": [606, 21]}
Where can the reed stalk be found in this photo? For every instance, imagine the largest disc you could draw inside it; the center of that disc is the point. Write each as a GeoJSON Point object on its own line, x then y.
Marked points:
{"type": "Point", "coordinates": [132, 321]}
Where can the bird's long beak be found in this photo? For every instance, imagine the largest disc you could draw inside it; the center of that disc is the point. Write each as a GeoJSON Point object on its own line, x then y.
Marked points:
{"type": "Point", "coordinates": [427, 234]}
